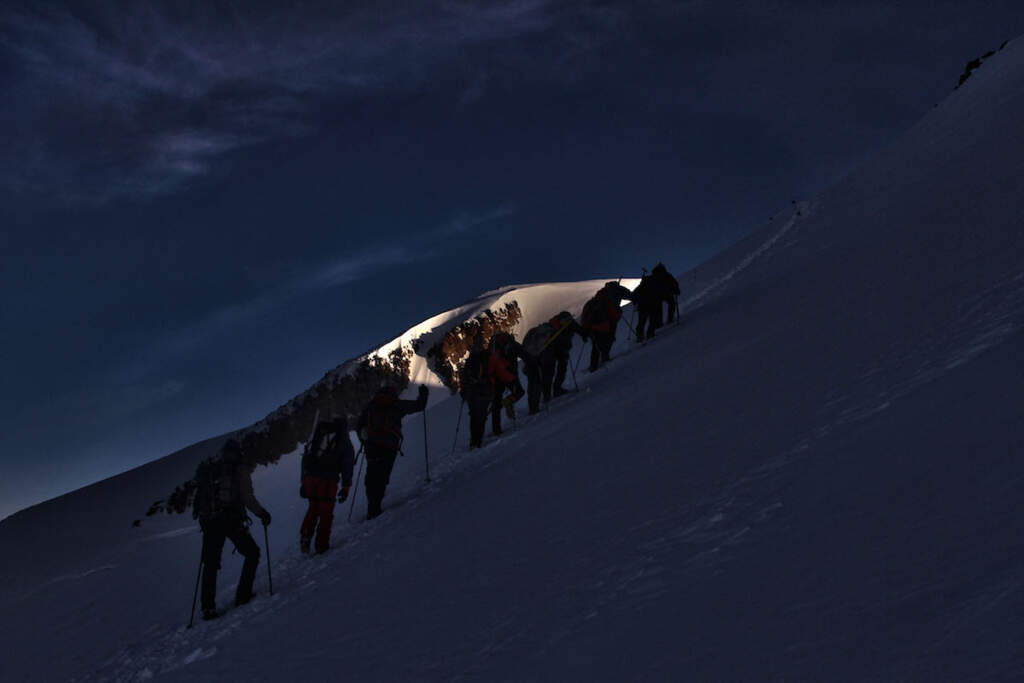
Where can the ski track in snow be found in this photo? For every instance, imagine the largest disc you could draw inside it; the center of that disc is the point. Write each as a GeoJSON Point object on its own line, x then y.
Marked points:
{"type": "Point", "coordinates": [802, 211]}
{"type": "Point", "coordinates": [173, 533]}
{"type": "Point", "coordinates": [66, 579]}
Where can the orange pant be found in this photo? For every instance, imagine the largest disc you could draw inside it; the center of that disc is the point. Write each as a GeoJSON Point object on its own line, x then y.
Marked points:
{"type": "Point", "coordinates": [321, 494]}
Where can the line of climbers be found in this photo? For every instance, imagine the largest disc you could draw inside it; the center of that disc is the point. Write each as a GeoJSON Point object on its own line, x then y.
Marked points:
{"type": "Point", "coordinates": [224, 485]}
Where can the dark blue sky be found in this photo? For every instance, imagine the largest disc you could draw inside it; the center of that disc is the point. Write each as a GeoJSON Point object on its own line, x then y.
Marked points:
{"type": "Point", "coordinates": [203, 210]}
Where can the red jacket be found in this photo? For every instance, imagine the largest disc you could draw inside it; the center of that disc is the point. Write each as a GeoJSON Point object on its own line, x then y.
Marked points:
{"type": "Point", "coordinates": [614, 310]}
{"type": "Point", "coordinates": [607, 314]}
{"type": "Point", "coordinates": [498, 368]}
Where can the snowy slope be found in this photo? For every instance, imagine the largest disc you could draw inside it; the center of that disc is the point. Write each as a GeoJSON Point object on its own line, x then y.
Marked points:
{"type": "Point", "coordinates": [815, 477]}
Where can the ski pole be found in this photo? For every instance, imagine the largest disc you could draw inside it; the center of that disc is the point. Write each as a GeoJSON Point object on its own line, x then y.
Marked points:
{"type": "Point", "coordinates": [309, 441]}
{"type": "Point", "coordinates": [426, 458]}
{"type": "Point", "coordinates": [457, 424]}
{"type": "Point", "coordinates": [630, 328]}
{"type": "Point", "coordinates": [355, 492]}
{"type": "Point", "coordinates": [266, 544]}
{"type": "Point", "coordinates": [579, 356]}
{"type": "Point", "coordinates": [195, 596]}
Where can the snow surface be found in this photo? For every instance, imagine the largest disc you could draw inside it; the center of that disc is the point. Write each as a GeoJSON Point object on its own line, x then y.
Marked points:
{"type": "Point", "coordinates": [815, 476]}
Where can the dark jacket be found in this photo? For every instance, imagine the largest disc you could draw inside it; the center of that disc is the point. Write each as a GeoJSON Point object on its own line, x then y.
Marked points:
{"type": "Point", "coordinates": [602, 312]}
{"type": "Point", "coordinates": [474, 378]}
{"type": "Point", "coordinates": [667, 285]}
{"type": "Point", "coordinates": [565, 326]}
{"type": "Point", "coordinates": [224, 489]}
{"type": "Point", "coordinates": [380, 423]}
{"type": "Point", "coordinates": [248, 498]}
{"type": "Point", "coordinates": [649, 293]}
{"type": "Point", "coordinates": [330, 454]}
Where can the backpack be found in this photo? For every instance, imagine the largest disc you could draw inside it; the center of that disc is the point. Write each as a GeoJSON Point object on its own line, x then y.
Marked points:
{"type": "Point", "coordinates": [215, 489]}
{"type": "Point", "coordinates": [537, 338]}
{"type": "Point", "coordinates": [384, 422]}
{"type": "Point", "coordinates": [323, 444]}
{"type": "Point", "coordinates": [594, 313]}
{"type": "Point", "coordinates": [499, 341]}
{"type": "Point", "coordinates": [475, 369]}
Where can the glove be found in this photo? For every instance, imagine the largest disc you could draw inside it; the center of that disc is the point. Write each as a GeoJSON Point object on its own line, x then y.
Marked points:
{"type": "Point", "coordinates": [343, 494]}
{"type": "Point", "coordinates": [302, 491]}
{"type": "Point", "coordinates": [265, 518]}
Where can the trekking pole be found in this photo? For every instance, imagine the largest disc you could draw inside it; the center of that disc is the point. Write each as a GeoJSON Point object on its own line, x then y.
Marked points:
{"type": "Point", "coordinates": [195, 596]}
{"type": "Point", "coordinates": [457, 424]}
{"type": "Point", "coordinates": [309, 441]}
{"type": "Point", "coordinates": [573, 368]}
{"type": "Point", "coordinates": [679, 316]}
{"type": "Point", "coordinates": [632, 317]}
{"type": "Point", "coordinates": [630, 328]}
{"type": "Point", "coordinates": [579, 356]}
{"type": "Point", "coordinates": [352, 505]}
{"type": "Point", "coordinates": [266, 544]}
{"type": "Point", "coordinates": [426, 458]}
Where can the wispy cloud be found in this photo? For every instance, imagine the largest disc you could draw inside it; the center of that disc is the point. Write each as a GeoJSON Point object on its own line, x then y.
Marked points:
{"type": "Point", "coordinates": [358, 266]}
{"type": "Point", "coordinates": [342, 270]}
{"type": "Point", "coordinates": [138, 100]}
{"type": "Point", "coordinates": [467, 221]}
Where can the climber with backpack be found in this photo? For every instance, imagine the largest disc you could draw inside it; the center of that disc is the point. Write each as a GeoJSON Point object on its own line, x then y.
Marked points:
{"type": "Point", "coordinates": [476, 390]}
{"type": "Point", "coordinates": [545, 363]}
{"type": "Point", "coordinates": [654, 289]}
{"type": "Point", "coordinates": [328, 457]}
{"type": "Point", "coordinates": [503, 369]}
{"type": "Point", "coordinates": [380, 430]}
{"type": "Point", "coordinates": [223, 493]}
{"type": "Point", "coordinates": [669, 287]}
{"type": "Point", "coordinates": [600, 317]}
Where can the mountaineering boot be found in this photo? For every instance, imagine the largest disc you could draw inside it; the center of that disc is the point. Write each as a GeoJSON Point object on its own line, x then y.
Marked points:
{"type": "Point", "coordinates": [509, 408]}
{"type": "Point", "coordinates": [304, 542]}
{"type": "Point", "coordinates": [210, 613]}
{"type": "Point", "coordinates": [244, 598]}
{"type": "Point", "coordinates": [558, 391]}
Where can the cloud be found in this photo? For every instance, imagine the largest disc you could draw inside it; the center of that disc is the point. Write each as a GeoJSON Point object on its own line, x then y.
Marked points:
{"type": "Point", "coordinates": [464, 222]}
{"type": "Point", "coordinates": [341, 270]}
{"type": "Point", "coordinates": [144, 100]}
{"type": "Point", "coordinates": [356, 267]}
